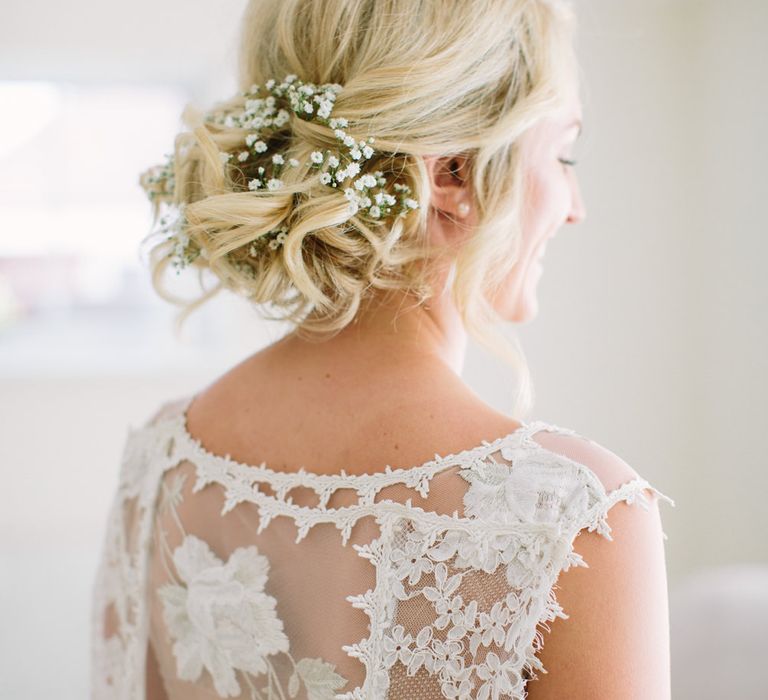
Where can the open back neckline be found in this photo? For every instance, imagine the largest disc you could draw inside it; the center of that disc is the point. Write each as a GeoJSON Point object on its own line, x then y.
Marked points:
{"type": "Point", "coordinates": [431, 466]}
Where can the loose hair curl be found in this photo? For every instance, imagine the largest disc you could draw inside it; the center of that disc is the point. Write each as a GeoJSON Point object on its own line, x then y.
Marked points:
{"type": "Point", "coordinates": [423, 77]}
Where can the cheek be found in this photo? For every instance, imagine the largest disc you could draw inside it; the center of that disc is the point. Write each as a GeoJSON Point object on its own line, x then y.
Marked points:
{"type": "Point", "coordinates": [546, 205]}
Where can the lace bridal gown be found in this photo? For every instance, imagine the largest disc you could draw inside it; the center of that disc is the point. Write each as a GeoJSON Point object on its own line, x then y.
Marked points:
{"type": "Point", "coordinates": [219, 579]}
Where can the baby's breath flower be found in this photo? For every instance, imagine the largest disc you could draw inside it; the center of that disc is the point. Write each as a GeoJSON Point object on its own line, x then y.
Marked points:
{"type": "Point", "coordinates": [353, 169]}
{"type": "Point", "coordinates": [224, 157]}
{"type": "Point", "coordinates": [264, 114]}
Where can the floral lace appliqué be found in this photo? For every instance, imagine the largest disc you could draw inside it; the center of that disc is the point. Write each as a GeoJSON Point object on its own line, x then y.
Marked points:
{"type": "Point", "coordinates": [222, 621]}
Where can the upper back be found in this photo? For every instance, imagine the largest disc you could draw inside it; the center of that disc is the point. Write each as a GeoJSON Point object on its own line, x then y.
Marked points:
{"type": "Point", "coordinates": [424, 581]}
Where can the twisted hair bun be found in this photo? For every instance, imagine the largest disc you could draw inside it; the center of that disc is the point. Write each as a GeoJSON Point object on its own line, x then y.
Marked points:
{"type": "Point", "coordinates": [420, 77]}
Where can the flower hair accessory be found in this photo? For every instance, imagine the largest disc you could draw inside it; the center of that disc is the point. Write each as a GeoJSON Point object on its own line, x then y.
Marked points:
{"type": "Point", "coordinates": [266, 112]}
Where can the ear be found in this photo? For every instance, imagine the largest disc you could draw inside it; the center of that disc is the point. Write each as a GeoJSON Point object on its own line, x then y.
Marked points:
{"type": "Point", "coordinates": [449, 180]}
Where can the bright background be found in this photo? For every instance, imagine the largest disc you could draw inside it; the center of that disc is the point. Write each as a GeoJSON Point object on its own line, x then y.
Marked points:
{"type": "Point", "coordinates": [651, 339]}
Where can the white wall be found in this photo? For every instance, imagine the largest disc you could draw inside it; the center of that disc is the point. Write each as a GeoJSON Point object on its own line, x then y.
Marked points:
{"type": "Point", "coordinates": [651, 337]}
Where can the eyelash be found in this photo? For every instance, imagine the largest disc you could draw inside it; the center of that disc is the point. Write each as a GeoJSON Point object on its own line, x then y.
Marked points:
{"type": "Point", "coordinates": [565, 161]}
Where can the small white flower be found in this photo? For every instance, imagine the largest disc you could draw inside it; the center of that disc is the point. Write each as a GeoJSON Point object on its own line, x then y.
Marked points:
{"type": "Point", "coordinates": [349, 141]}
{"type": "Point", "coordinates": [251, 139]}
{"type": "Point", "coordinates": [293, 163]}
{"type": "Point", "coordinates": [282, 118]}
{"type": "Point", "coordinates": [308, 108]}
{"type": "Point", "coordinates": [243, 155]}
{"type": "Point", "coordinates": [324, 110]}
{"type": "Point", "coordinates": [254, 184]}
{"type": "Point", "coordinates": [367, 152]}
{"type": "Point", "coordinates": [269, 84]}
{"type": "Point", "coordinates": [277, 159]}
{"type": "Point", "coordinates": [397, 647]}
{"type": "Point", "coordinates": [369, 181]}
{"type": "Point", "coordinates": [261, 170]}
{"type": "Point", "coordinates": [411, 203]}
{"type": "Point", "coordinates": [343, 123]}
{"type": "Point", "coordinates": [375, 212]}
{"type": "Point", "coordinates": [353, 169]}
{"type": "Point", "coordinates": [260, 147]}
{"type": "Point", "coordinates": [274, 184]}
{"type": "Point", "coordinates": [224, 157]}
{"type": "Point", "coordinates": [360, 183]}
{"type": "Point", "coordinates": [333, 161]}
{"type": "Point", "coordinates": [291, 77]}
{"type": "Point", "coordinates": [325, 178]}
{"type": "Point", "coordinates": [341, 175]}
{"type": "Point", "coordinates": [316, 157]}
{"type": "Point", "coordinates": [352, 208]}
{"type": "Point", "coordinates": [270, 101]}
{"type": "Point", "coordinates": [355, 153]}
{"type": "Point", "coordinates": [339, 134]}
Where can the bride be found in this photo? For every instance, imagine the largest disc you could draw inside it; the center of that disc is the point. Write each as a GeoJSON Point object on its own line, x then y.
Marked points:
{"type": "Point", "coordinates": [340, 515]}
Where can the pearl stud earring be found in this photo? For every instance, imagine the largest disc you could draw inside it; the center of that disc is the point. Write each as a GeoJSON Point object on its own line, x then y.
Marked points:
{"type": "Point", "coordinates": [463, 209]}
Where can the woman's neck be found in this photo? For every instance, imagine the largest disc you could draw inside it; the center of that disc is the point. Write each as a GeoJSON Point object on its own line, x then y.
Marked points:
{"type": "Point", "coordinates": [392, 331]}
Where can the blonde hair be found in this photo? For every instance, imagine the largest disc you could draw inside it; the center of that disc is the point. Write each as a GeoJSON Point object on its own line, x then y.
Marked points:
{"type": "Point", "coordinates": [423, 77]}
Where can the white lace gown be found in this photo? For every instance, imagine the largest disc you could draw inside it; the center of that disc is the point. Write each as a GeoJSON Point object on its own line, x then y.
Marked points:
{"type": "Point", "coordinates": [226, 580]}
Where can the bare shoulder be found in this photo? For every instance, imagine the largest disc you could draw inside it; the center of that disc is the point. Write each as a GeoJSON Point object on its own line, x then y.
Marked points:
{"type": "Point", "coordinates": [609, 467]}
{"type": "Point", "coordinates": [615, 641]}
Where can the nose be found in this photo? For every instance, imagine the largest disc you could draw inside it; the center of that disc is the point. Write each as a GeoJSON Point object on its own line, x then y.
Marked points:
{"type": "Point", "coordinates": [578, 212]}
